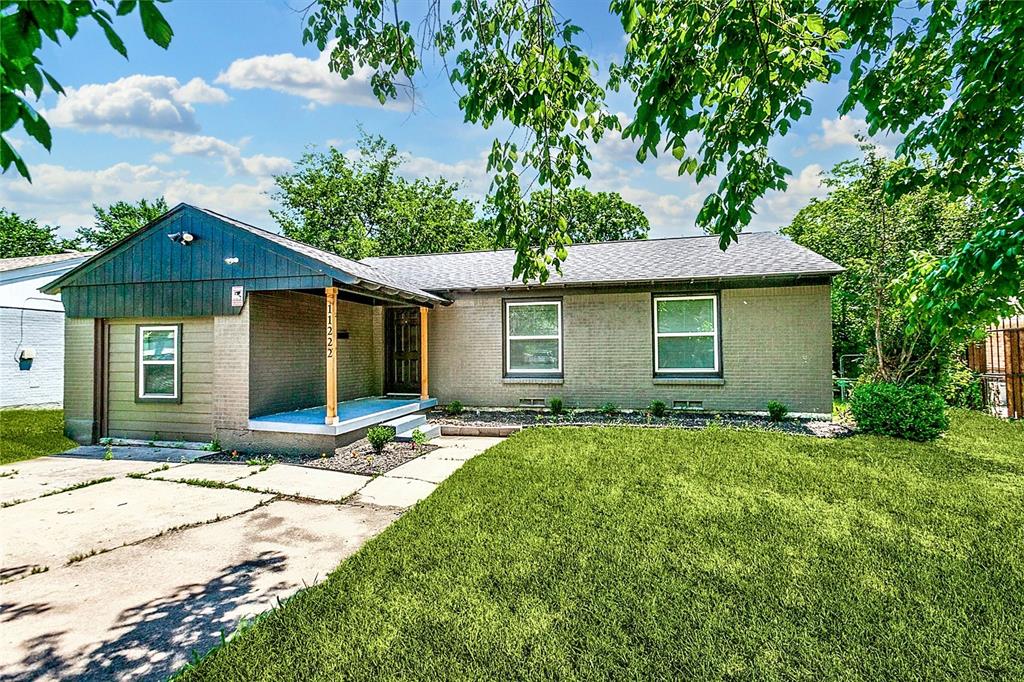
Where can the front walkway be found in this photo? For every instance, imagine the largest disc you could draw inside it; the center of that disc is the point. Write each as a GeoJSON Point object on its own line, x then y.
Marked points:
{"type": "Point", "coordinates": [118, 569]}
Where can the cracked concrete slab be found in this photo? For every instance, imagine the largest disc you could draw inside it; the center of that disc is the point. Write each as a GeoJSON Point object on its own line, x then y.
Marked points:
{"type": "Point", "coordinates": [44, 475]}
{"type": "Point", "coordinates": [205, 471]}
{"type": "Point", "coordinates": [432, 470]}
{"type": "Point", "coordinates": [137, 612]}
{"type": "Point", "coordinates": [48, 531]}
{"type": "Point", "coordinates": [460, 447]}
{"type": "Point", "coordinates": [386, 491]}
{"type": "Point", "coordinates": [141, 453]}
{"type": "Point", "coordinates": [315, 484]}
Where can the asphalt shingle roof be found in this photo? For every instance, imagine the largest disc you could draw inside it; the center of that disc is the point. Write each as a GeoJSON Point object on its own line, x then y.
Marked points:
{"type": "Point", "coordinates": [757, 254]}
{"type": "Point", "coordinates": [7, 264]}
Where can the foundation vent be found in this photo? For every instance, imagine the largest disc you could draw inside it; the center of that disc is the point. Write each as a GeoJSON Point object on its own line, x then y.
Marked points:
{"type": "Point", "coordinates": [691, 405]}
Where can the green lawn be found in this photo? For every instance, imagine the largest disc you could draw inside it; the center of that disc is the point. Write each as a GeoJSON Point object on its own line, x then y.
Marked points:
{"type": "Point", "coordinates": [25, 434]}
{"type": "Point", "coordinates": [662, 554]}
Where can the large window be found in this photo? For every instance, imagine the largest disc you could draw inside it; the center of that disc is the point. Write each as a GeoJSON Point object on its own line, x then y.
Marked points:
{"type": "Point", "coordinates": [159, 362]}
{"type": "Point", "coordinates": [686, 335]}
{"type": "Point", "coordinates": [533, 337]}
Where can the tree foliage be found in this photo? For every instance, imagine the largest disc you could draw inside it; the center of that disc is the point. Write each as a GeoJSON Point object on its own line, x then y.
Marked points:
{"type": "Point", "coordinates": [875, 241]}
{"type": "Point", "coordinates": [25, 25]}
{"type": "Point", "coordinates": [732, 74]}
{"type": "Point", "coordinates": [589, 216]}
{"type": "Point", "coordinates": [21, 237]}
{"type": "Point", "coordinates": [361, 206]}
{"type": "Point", "coordinates": [120, 219]}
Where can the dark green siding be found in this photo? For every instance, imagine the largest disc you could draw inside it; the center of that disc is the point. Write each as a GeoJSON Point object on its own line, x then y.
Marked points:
{"type": "Point", "coordinates": [150, 275]}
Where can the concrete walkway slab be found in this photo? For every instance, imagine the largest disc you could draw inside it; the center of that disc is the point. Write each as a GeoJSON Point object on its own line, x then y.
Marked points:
{"type": "Point", "coordinates": [46, 475]}
{"type": "Point", "coordinates": [134, 452]}
{"type": "Point", "coordinates": [433, 470]}
{"type": "Point", "coordinates": [205, 471]}
{"type": "Point", "coordinates": [48, 531]}
{"type": "Point", "coordinates": [137, 611]}
{"type": "Point", "coordinates": [386, 491]}
{"type": "Point", "coordinates": [460, 447]}
{"type": "Point", "coordinates": [306, 482]}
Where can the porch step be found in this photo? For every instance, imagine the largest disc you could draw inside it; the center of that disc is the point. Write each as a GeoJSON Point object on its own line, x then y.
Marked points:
{"type": "Point", "coordinates": [429, 432]}
{"type": "Point", "coordinates": [407, 423]}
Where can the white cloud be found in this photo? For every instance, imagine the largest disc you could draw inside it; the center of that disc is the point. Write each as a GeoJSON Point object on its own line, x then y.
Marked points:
{"type": "Point", "coordinates": [64, 196]}
{"type": "Point", "coordinates": [472, 172]}
{"type": "Point", "coordinates": [843, 131]}
{"type": "Point", "coordinates": [303, 77]}
{"type": "Point", "coordinates": [205, 146]}
{"type": "Point", "coordinates": [152, 106]}
{"type": "Point", "coordinates": [777, 209]}
{"type": "Point", "coordinates": [161, 158]}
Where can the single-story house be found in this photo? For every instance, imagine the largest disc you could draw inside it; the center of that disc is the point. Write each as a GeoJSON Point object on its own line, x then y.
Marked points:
{"type": "Point", "coordinates": [201, 327]}
{"type": "Point", "coordinates": [32, 330]}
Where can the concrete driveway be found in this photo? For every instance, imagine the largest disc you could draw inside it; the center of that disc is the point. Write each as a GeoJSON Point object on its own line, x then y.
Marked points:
{"type": "Point", "coordinates": [120, 569]}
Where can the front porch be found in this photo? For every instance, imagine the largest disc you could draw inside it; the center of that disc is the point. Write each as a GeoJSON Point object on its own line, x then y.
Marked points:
{"type": "Point", "coordinates": [352, 415]}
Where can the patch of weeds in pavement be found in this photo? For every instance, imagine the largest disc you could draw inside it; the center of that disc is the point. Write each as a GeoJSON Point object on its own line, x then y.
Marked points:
{"type": "Point", "coordinates": [36, 570]}
{"type": "Point", "coordinates": [8, 474]}
{"type": "Point", "coordinates": [58, 491]}
{"type": "Point", "coordinates": [11, 503]}
{"type": "Point", "coordinates": [82, 556]}
{"type": "Point", "coordinates": [143, 474]}
{"type": "Point", "coordinates": [205, 483]}
{"type": "Point", "coordinates": [262, 461]}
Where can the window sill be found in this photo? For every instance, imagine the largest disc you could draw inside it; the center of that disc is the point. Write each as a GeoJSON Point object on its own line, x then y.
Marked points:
{"type": "Point", "coordinates": [531, 380]}
{"type": "Point", "coordinates": [689, 381]}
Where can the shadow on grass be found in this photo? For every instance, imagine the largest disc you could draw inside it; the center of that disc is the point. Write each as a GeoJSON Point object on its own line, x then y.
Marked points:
{"type": "Point", "coordinates": [152, 639]}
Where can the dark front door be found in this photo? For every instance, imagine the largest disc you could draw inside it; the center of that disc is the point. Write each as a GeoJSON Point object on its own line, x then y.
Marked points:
{"type": "Point", "coordinates": [402, 350]}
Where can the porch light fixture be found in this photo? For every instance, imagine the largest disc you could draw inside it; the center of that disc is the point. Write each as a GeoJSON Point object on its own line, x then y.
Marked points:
{"type": "Point", "coordinates": [231, 261]}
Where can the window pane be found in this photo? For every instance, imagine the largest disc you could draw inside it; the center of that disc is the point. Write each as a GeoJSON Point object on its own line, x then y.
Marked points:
{"type": "Point", "coordinates": [533, 354]}
{"type": "Point", "coordinates": [693, 315]}
{"type": "Point", "coordinates": [158, 344]}
{"type": "Point", "coordinates": [533, 320]}
{"type": "Point", "coordinates": [686, 352]}
{"type": "Point", "coordinates": [158, 380]}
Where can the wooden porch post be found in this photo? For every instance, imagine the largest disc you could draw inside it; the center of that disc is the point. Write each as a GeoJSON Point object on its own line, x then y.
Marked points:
{"type": "Point", "coordinates": [424, 374]}
{"type": "Point", "coordinates": [331, 353]}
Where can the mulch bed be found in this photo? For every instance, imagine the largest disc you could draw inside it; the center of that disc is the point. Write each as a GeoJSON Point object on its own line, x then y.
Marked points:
{"type": "Point", "coordinates": [356, 458]}
{"type": "Point", "coordinates": [674, 419]}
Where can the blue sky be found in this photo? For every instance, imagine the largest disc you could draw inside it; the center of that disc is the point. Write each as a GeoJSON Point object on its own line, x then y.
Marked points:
{"type": "Point", "coordinates": [238, 97]}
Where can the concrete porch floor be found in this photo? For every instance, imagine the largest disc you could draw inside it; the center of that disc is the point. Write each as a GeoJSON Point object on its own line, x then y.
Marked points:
{"type": "Point", "coordinates": [123, 576]}
{"type": "Point", "coordinates": [352, 415]}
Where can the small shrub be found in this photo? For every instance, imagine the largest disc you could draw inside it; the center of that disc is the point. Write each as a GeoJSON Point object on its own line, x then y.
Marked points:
{"type": "Point", "coordinates": [379, 436]}
{"type": "Point", "coordinates": [556, 405]}
{"type": "Point", "coordinates": [419, 439]}
{"type": "Point", "coordinates": [609, 409]}
{"type": "Point", "coordinates": [212, 446]}
{"type": "Point", "coordinates": [108, 454]}
{"type": "Point", "coordinates": [657, 408]}
{"type": "Point", "coordinates": [454, 408]}
{"type": "Point", "coordinates": [777, 411]}
{"type": "Point", "coordinates": [961, 387]}
{"type": "Point", "coordinates": [915, 413]}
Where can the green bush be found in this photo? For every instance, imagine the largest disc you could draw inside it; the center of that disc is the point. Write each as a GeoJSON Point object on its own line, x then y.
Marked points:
{"type": "Point", "coordinates": [556, 405]}
{"type": "Point", "coordinates": [961, 387]}
{"type": "Point", "coordinates": [912, 412]}
{"type": "Point", "coordinates": [379, 436]}
{"type": "Point", "coordinates": [657, 408]}
{"type": "Point", "coordinates": [777, 411]}
{"type": "Point", "coordinates": [453, 409]}
{"type": "Point", "coordinates": [608, 409]}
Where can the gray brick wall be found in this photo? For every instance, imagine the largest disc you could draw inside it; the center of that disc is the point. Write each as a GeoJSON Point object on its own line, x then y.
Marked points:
{"type": "Point", "coordinates": [39, 382]}
{"type": "Point", "coordinates": [231, 371]}
{"type": "Point", "coordinates": [776, 344]}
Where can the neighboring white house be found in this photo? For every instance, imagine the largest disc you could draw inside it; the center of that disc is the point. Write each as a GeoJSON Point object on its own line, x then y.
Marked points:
{"type": "Point", "coordinates": [32, 330]}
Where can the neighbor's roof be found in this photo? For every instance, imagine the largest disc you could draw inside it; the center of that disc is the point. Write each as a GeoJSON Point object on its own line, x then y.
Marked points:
{"type": "Point", "coordinates": [756, 255]}
{"type": "Point", "coordinates": [366, 274]}
{"type": "Point", "coordinates": [7, 264]}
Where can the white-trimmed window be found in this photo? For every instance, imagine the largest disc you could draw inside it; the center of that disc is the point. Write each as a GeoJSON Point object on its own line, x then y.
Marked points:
{"type": "Point", "coordinates": [159, 362]}
{"type": "Point", "coordinates": [533, 337]}
{"type": "Point", "coordinates": [686, 335]}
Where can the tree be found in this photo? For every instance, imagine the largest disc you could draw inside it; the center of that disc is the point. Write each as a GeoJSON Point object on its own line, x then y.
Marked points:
{"type": "Point", "coordinates": [359, 207]}
{"type": "Point", "coordinates": [734, 74]}
{"type": "Point", "coordinates": [875, 241]}
{"type": "Point", "coordinates": [119, 220]}
{"type": "Point", "coordinates": [24, 24]}
{"type": "Point", "coordinates": [21, 237]}
{"type": "Point", "coordinates": [589, 216]}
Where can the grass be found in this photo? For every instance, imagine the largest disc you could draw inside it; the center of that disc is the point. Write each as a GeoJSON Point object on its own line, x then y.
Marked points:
{"type": "Point", "coordinates": [25, 434]}
{"type": "Point", "coordinates": [657, 554]}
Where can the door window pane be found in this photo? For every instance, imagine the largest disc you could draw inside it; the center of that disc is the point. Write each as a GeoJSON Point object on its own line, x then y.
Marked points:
{"type": "Point", "coordinates": [686, 352]}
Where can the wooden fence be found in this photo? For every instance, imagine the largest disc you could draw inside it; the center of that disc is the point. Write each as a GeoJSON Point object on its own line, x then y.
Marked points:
{"type": "Point", "coordinates": [1000, 361]}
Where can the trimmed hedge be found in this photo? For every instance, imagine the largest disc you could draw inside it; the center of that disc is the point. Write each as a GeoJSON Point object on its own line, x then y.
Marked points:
{"type": "Point", "coordinates": [914, 412]}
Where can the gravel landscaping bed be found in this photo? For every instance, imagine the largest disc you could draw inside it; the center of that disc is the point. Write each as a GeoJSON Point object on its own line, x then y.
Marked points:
{"type": "Point", "coordinates": [677, 419]}
{"type": "Point", "coordinates": [357, 458]}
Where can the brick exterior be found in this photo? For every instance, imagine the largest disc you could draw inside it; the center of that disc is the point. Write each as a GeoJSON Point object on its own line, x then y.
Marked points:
{"type": "Point", "coordinates": [40, 381]}
{"type": "Point", "coordinates": [231, 373]}
{"type": "Point", "coordinates": [776, 344]}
